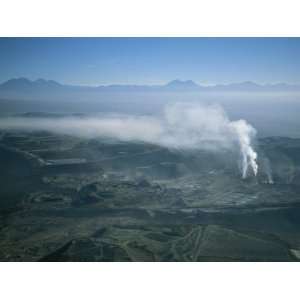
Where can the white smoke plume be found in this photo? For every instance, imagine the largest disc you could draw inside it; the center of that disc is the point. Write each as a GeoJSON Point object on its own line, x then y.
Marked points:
{"type": "Point", "coordinates": [181, 126]}
{"type": "Point", "coordinates": [245, 133]}
{"type": "Point", "coordinates": [267, 169]}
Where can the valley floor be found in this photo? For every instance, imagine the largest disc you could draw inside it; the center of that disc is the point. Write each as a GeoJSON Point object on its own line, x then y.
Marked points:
{"type": "Point", "coordinates": [67, 199]}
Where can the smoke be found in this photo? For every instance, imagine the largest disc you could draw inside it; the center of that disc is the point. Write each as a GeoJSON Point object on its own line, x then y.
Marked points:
{"type": "Point", "coordinates": [246, 133]}
{"type": "Point", "coordinates": [180, 126]}
{"type": "Point", "coordinates": [268, 170]}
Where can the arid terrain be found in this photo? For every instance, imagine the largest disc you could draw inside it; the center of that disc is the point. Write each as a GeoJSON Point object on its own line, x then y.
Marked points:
{"type": "Point", "coordinates": [66, 198]}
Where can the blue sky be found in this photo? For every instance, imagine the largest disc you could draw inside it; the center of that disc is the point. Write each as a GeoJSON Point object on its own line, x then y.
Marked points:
{"type": "Point", "coordinates": [93, 61]}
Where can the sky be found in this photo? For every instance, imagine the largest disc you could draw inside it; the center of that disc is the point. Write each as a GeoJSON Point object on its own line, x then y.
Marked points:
{"type": "Point", "coordinates": [95, 61]}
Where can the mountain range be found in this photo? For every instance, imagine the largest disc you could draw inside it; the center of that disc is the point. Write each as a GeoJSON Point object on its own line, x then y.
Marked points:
{"type": "Point", "coordinates": [24, 85]}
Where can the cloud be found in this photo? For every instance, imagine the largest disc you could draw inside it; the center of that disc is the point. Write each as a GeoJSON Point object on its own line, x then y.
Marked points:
{"type": "Point", "coordinates": [180, 126]}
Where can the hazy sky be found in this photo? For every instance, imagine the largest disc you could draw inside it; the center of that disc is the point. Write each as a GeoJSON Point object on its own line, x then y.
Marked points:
{"type": "Point", "coordinates": [95, 61]}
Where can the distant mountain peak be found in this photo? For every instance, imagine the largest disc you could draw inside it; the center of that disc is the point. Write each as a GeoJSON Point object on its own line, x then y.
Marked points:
{"type": "Point", "coordinates": [19, 79]}
{"type": "Point", "coordinates": [177, 83]}
{"type": "Point", "coordinates": [25, 83]}
{"type": "Point", "coordinates": [20, 82]}
{"type": "Point", "coordinates": [45, 82]}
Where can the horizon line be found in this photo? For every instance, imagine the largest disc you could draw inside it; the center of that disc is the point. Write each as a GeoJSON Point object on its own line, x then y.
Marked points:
{"type": "Point", "coordinates": [205, 84]}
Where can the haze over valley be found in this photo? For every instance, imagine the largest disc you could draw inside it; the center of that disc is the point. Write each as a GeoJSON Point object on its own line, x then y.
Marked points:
{"type": "Point", "coordinates": [150, 169]}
